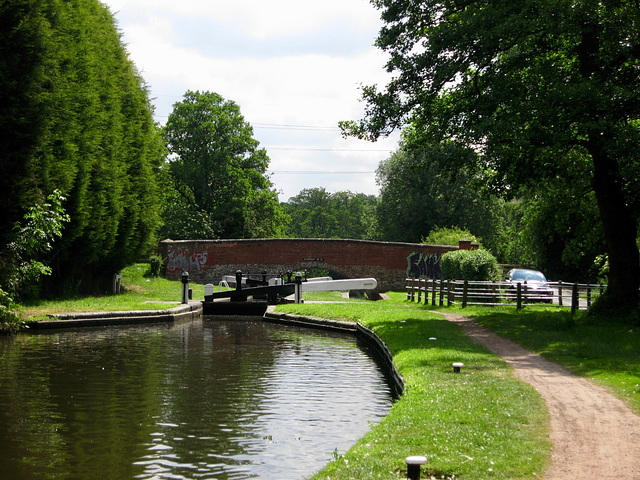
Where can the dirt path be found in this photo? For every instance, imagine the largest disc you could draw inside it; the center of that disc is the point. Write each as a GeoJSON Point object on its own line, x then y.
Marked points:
{"type": "Point", "coordinates": [594, 434]}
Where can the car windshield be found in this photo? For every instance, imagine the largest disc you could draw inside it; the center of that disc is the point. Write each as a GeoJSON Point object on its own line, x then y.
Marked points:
{"type": "Point", "coordinates": [528, 275]}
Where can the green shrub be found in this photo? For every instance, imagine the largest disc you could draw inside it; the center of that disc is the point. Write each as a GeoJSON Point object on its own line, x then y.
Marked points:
{"type": "Point", "coordinates": [477, 265]}
{"type": "Point", "coordinates": [449, 236]}
{"type": "Point", "coordinates": [10, 320]}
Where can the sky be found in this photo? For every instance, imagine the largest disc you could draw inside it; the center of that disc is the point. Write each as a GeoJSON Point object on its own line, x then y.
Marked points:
{"type": "Point", "coordinates": [294, 67]}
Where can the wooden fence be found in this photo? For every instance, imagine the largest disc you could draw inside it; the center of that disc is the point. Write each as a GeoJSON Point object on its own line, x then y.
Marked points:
{"type": "Point", "coordinates": [463, 292]}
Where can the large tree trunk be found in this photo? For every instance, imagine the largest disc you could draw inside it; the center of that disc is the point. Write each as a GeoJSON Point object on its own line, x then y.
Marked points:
{"type": "Point", "coordinates": [619, 228]}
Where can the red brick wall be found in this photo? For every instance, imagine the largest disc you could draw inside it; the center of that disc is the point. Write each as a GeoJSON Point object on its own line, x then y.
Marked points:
{"type": "Point", "coordinates": [208, 260]}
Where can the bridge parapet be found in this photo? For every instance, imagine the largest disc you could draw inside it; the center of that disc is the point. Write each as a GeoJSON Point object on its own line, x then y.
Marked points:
{"type": "Point", "coordinates": [390, 263]}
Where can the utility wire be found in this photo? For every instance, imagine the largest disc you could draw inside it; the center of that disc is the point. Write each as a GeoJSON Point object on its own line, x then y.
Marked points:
{"type": "Point", "coordinates": [312, 149]}
{"type": "Point", "coordinates": [317, 172]}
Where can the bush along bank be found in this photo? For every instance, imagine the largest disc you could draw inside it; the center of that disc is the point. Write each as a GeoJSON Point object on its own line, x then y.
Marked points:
{"type": "Point", "coordinates": [479, 423]}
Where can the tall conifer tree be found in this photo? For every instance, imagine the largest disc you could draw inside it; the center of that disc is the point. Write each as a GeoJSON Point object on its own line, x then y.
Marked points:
{"type": "Point", "coordinates": [81, 122]}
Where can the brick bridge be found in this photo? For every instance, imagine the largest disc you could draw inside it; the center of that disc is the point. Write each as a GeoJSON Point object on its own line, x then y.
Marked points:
{"type": "Point", "coordinates": [388, 262]}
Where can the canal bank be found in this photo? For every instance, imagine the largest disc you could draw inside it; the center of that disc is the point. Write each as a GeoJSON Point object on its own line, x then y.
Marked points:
{"type": "Point", "coordinates": [189, 311]}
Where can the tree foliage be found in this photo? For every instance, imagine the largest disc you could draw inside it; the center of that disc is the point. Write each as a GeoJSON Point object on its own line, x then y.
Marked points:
{"type": "Point", "coordinates": [449, 236]}
{"type": "Point", "coordinates": [557, 229]}
{"type": "Point", "coordinates": [540, 89]}
{"type": "Point", "coordinates": [20, 265]}
{"type": "Point", "coordinates": [418, 194]}
{"type": "Point", "coordinates": [220, 187]}
{"type": "Point", "coordinates": [316, 213]}
{"type": "Point", "coordinates": [76, 117]}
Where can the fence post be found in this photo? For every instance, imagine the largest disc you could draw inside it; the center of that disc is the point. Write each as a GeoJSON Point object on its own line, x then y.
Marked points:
{"type": "Point", "coordinates": [450, 294]}
{"type": "Point", "coordinates": [560, 293]}
{"type": "Point", "coordinates": [117, 284]}
{"type": "Point", "coordinates": [575, 299]}
{"type": "Point", "coordinates": [518, 296]}
{"type": "Point", "coordinates": [419, 280]}
{"type": "Point", "coordinates": [441, 293]}
{"type": "Point", "coordinates": [588, 295]}
{"type": "Point", "coordinates": [465, 291]}
{"type": "Point", "coordinates": [433, 291]}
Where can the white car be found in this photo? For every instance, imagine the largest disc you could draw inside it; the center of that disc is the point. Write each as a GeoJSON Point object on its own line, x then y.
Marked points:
{"type": "Point", "coordinates": [537, 287]}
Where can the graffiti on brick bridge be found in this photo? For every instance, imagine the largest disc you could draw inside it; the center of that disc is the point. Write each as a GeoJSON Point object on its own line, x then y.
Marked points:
{"type": "Point", "coordinates": [187, 262]}
{"type": "Point", "coordinates": [423, 265]}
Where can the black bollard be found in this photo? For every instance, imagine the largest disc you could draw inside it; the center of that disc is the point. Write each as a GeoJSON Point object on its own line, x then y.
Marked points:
{"type": "Point", "coordinates": [298, 288]}
{"type": "Point", "coordinates": [185, 287]}
{"type": "Point", "coordinates": [413, 466]}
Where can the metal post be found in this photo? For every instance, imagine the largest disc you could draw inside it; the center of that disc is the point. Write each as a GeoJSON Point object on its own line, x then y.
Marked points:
{"type": "Point", "coordinates": [298, 288]}
{"type": "Point", "coordinates": [238, 280]}
{"type": "Point", "coordinates": [413, 466]}
{"type": "Point", "coordinates": [519, 296]}
{"type": "Point", "coordinates": [185, 287]}
{"type": "Point", "coordinates": [575, 299]}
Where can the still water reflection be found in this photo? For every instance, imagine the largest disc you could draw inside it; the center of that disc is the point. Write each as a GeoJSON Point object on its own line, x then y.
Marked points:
{"type": "Point", "coordinates": [203, 399]}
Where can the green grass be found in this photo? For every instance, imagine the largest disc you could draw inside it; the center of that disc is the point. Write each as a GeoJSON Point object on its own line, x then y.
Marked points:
{"type": "Point", "coordinates": [605, 350]}
{"type": "Point", "coordinates": [482, 423]}
{"type": "Point", "coordinates": [139, 293]}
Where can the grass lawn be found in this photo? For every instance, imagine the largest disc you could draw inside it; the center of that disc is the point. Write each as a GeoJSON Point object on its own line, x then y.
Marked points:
{"type": "Point", "coordinates": [139, 293]}
{"type": "Point", "coordinates": [482, 423]}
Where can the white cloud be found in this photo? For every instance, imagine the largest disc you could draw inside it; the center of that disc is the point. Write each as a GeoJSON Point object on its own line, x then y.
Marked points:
{"type": "Point", "coordinates": [258, 18]}
{"type": "Point", "coordinates": [309, 78]}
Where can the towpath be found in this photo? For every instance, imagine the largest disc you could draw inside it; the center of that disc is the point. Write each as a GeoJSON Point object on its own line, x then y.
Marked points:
{"type": "Point", "coordinates": [594, 434]}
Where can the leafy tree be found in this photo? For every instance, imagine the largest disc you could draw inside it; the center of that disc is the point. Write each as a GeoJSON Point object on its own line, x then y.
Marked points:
{"type": "Point", "coordinates": [316, 213]}
{"type": "Point", "coordinates": [218, 173]}
{"type": "Point", "coordinates": [19, 260]}
{"type": "Point", "coordinates": [79, 120]}
{"type": "Point", "coordinates": [540, 89]}
{"type": "Point", "coordinates": [20, 265]}
{"type": "Point", "coordinates": [558, 230]}
{"type": "Point", "coordinates": [417, 194]}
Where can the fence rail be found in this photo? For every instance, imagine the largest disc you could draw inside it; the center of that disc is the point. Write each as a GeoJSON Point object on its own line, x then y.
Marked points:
{"type": "Point", "coordinates": [463, 292]}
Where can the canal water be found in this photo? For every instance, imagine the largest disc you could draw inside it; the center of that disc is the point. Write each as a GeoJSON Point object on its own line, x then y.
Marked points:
{"type": "Point", "coordinates": [201, 399]}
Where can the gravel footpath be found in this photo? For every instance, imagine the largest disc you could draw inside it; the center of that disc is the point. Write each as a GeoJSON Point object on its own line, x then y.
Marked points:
{"type": "Point", "coordinates": [594, 434]}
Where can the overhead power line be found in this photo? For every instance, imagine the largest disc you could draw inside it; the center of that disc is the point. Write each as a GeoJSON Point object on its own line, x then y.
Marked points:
{"type": "Point", "coordinates": [319, 172]}
{"type": "Point", "coordinates": [318, 149]}
{"type": "Point", "coordinates": [281, 126]}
